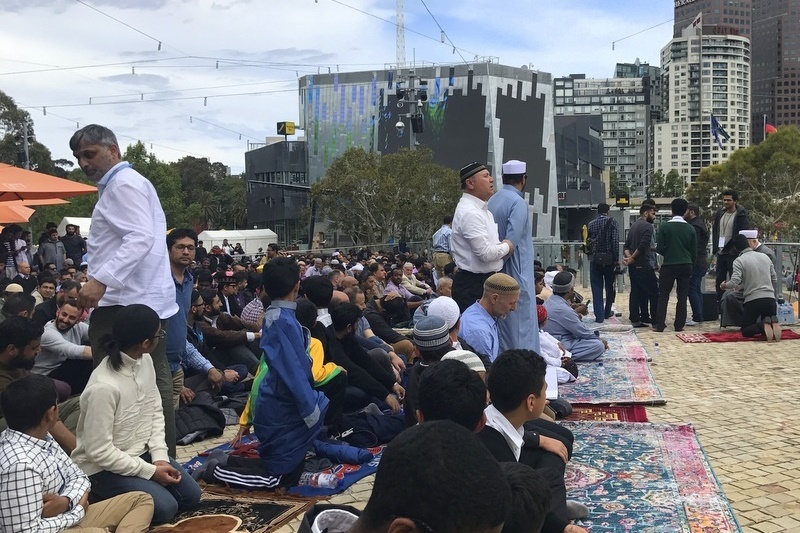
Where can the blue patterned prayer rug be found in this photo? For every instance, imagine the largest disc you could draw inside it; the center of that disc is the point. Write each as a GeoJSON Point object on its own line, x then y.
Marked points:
{"type": "Point", "coordinates": [645, 478]}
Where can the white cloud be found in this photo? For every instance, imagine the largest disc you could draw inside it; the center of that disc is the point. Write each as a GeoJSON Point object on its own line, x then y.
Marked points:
{"type": "Point", "coordinates": [264, 45]}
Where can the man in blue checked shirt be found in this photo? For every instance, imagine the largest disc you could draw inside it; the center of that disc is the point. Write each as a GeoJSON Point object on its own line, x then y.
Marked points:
{"type": "Point", "coordinates": [604, 234]}
{"type": "Point", "coordinates": [41, 489]}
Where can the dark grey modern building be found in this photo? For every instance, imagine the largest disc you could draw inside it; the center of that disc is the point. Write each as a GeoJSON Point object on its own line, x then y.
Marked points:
{"type": "Point", "coordinates": [278, 190]}
{"type": "Point", "coordinates": [579, 166]}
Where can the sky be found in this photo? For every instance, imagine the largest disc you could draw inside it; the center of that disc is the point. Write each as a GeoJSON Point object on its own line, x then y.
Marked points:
{"type": "Point", "coordinates": [205, 77]}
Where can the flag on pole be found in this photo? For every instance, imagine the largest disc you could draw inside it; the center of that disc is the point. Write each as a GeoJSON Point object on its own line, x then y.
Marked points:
{"type": "Point", "coordinates": [698, 20]}
{"type": "Point", "coordinates": [718, 131]}
{"type": "Point", "coordinates": [769, 128]}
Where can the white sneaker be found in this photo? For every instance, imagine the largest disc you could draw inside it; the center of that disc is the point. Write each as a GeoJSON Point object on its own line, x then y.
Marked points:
{"type": "Point", "coordinates": [690, 323]}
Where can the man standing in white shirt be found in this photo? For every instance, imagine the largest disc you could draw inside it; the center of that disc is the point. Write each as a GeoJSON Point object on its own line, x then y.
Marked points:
{"type": "Point", "coordinates": [474, 242]}
{"type": "Point", "coordinates": [127, 222]}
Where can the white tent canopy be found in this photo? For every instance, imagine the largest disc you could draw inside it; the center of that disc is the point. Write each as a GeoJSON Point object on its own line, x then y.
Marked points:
{"type": "Point", "coordinates": [83, 223]}
{"type": "Point", "coordinates": [250, 239]}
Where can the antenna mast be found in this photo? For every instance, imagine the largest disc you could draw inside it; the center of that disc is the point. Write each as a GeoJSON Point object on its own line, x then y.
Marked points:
{"type": "Point", "coordinates": [401, 36]}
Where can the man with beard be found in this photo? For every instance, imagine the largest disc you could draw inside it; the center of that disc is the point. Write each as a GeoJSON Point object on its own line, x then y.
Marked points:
{"type": "Point", "coordinates": [20, 343]}
{"type": "Point", "coordinates": [234, 342]}
{"type": "Point", "coordinates": [644, 284]}
{"type": "Point", "coordinates": [46, 311]}
{"type": "Point", "coordinates": [479, 321]}
{"type": "Point", "coordinates": [65, 354]}
{"type": "Point", "coordinates": [565, 325]}
{"type": "Point", "coordinates": [74, 245]}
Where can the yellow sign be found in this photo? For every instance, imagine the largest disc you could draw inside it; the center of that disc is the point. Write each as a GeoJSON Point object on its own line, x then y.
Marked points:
{"type": "Point", "coordinates": [285, 128]}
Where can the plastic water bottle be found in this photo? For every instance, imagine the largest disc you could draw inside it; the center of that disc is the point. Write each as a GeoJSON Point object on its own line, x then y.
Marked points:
{"type": "Point", "coordinates": [657, 350]}
{"type": "Point", "coordinates": [319, 479]}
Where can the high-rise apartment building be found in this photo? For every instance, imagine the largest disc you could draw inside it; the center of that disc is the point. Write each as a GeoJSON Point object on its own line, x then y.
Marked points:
{"type": "Point", "coordinates": [776, 52]}
{"type": "Point", "coordinates": [625, 106]}
{"type": "Point", "coordinates": [736, 14]}
{"type": "Point", "coordinates": [704, 73]}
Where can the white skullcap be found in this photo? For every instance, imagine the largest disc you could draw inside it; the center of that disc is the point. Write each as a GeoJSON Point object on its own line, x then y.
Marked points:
{"type": "Point", "coordinates": [514, 167]}
{"type": "Point", "coordinates": [358, 267]}
{"type": "Point", "coordinates": [749, 233]}
{"type": "Point", "coordinates": [472, 361]}
{"type": "Point", "coordinates": [446, 308]}
{"type": "Point", "coordinates": [548, 278]}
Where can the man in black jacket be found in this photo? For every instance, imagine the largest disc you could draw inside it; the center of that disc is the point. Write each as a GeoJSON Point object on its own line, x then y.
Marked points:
{"type": "Point", "coordinates": [46, 311]}
{"type": "Point", "coordinates": [728, 222]}
{"type": "Point", "coordinates": [644, 283]}
{"type": "Point", "coordinates": [697, 281]}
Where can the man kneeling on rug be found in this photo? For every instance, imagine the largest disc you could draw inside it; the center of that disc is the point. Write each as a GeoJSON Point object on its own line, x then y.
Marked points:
{"type": "Point", "coordinates": [288, 411]}
{"type": "Point", "coordinates": [41, 489]}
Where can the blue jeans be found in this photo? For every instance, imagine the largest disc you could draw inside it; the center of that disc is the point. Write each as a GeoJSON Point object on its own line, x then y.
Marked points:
{"type": "Point", "coordinates": [602, 277]}
{"type": "Point", "coordinates": [696, 291]}
{"type": "Point", "coordinates": [168, 500]}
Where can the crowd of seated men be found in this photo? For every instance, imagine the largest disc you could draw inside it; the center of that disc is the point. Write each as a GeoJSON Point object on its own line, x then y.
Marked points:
{"type": "Point", "coordinates": [314, 337]}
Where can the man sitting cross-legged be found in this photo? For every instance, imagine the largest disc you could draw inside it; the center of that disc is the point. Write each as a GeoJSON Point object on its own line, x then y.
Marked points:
{"type": "Point", "coordinates": [565, 325]}
{"type": "Point", "coordinates": [434, 477]}
{"type": "Point", "coordinates": [450, 391]}
{"type": "Point", "coordinates": [41, 489]}
{"type": "Point", "coordinates": [66, 354]}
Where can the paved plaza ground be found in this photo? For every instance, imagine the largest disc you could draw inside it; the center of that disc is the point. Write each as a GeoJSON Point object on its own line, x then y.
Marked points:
{"type": "Point", "coordinates": [743, 400]}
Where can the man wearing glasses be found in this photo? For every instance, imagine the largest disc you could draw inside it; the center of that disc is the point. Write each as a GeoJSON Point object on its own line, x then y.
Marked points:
{"type": "Point", "coordinates": [181, 246]}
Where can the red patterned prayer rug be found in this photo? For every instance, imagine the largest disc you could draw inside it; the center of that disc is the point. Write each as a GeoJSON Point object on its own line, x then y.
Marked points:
{"type": "Point", "coordinates": [731, 336]}
{"type": "Point", "coordinates": [608, 413]}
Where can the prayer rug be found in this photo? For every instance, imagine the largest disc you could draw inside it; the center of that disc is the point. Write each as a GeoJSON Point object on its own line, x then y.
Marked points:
{"type": "Point", "coordinates": [347, 474]}
{"type": "Point", "coordinates": [731, 336]}
{"type": "Point", "coordinates": [648, 478]}
{"type": "Point", "coordinates": [624, 345]}
{"type": "Point", "coordinates": [236, 512]}
{"type": "Point", "coordinates": [616, 381]}
{"type": "Point", "coordinates": [608, 413]}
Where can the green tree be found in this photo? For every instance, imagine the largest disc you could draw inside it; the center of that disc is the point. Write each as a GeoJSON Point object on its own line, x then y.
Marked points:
{"type": "Point", "coordinates": [614, 186]}
{"type": "Point", "coordinates": [671, 185]}
{"type": "Point", "coordinates": [164, 178]}
{"type": "Point", "coordinates": [767, 178]}
{"type": "Point", "coordinates": [371, 197]}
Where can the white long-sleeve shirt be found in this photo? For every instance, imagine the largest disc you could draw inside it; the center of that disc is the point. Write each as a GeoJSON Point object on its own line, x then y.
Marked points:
{"type": "Point", "coordinates": [475, 242]}
{"type": "Point", "coordinates": [127, 251]}
{"type": "Point", "coordinates": [57, 346]}
{"type": "Point", "coordinates": [121, 418]}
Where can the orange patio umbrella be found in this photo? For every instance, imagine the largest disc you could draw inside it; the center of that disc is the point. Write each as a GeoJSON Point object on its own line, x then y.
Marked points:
{"type": "Point", "coordinates": [20, 184]}
{"type": "Point", "coordinates": [42, 201]}
{"type": "Point", "coordinates": [14, 213]}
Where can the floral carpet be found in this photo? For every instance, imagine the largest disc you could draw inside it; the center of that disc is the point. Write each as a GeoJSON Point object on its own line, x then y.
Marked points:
{"type": "Point", "coordinates": [645, 478]}
{"type": "Point", "coordinates": [624, 345]}
{"type": "Point", "coordinates": [616, 381]}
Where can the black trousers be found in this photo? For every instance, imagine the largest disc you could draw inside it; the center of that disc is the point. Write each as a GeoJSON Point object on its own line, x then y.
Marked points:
{"type": "Point", "coordinates": [643, 301]}
{"type": "Point", "coordinates": [74, 372]}
{"type": "Point", "coordinates": [754, 310]}
{"type": "Point", "coordinates": [672, 275]}
{"type": "Point", "coordinates": [724, 265]}
{"type": "Point", "coordinates": [468, 288]}
{"type": "Point", "coordinates": [334, 389]}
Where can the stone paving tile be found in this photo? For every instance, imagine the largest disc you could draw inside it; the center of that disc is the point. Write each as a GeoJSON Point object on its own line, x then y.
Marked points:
{"type": "Point", "coordinates": [743, 399]}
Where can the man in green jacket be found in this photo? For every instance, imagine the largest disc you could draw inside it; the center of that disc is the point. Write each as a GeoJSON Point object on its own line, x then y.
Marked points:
{"type": "Point", "coordinates": [677, 243]}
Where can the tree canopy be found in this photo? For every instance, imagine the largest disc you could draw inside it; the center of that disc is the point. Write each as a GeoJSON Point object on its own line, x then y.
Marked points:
{"type": "Point", "coordinates": [671, 185]}
{"type": "Point", "coordinates": [767, 178]}
{"type": "Point", "coordinates": [372, 197]}
{"type": "Point", "coordinates": [194, 192]}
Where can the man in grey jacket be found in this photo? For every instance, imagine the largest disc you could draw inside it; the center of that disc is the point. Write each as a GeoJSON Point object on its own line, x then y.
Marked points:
{"type": "Point", "coordinates": [754, 275]}
{"type": "Point", "coordinates": [65, 354]}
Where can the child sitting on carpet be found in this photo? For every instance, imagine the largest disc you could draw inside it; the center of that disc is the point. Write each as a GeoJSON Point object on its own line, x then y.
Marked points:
{"type": "Point", "coordinates": [288, 412]}
{"type": "Point", "coordinates": [450, 391]}
{"type": "Point", "coordinates": [121, 443]}
{"type": "Point", "coordinates": [434, 477]}
{"type": "Point", "coordinates": [41, 488]}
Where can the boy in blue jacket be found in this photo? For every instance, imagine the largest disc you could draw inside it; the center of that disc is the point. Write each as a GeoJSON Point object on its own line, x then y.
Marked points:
{"type": "Point", "coordinates": [289, 413]}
